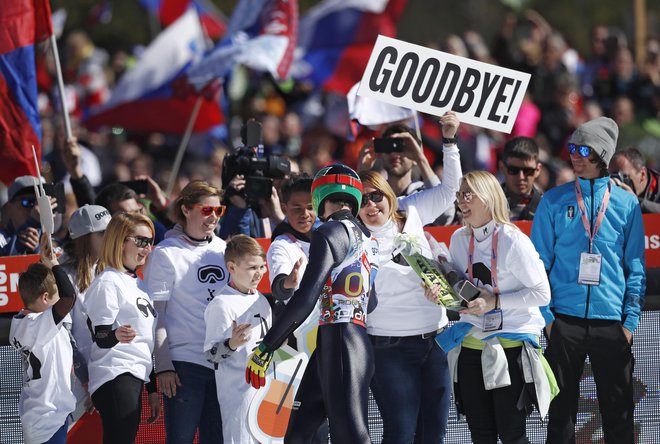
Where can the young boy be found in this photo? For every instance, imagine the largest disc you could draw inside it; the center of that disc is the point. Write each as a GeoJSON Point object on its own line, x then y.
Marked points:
{"type": "Point", "coordinates": [37, 332]}
{"type": "Point", "coordinates": [288, 253]}
{"type": "Point", "coordinates": [236, 320]}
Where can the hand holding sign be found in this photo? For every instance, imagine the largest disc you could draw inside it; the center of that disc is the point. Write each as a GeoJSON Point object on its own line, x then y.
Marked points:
{"type": "Point", "coordinates": [43, 202]}
{"type": "Point", "coordinates": [433, 82]}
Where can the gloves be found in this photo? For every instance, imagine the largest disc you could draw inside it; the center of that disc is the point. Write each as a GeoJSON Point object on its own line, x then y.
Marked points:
{"type": "Point", "coordinates": [255, 373]}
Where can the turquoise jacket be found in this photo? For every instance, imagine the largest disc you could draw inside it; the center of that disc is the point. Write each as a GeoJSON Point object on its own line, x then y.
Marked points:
{"type": "Point", "coordinates": [559, 236]}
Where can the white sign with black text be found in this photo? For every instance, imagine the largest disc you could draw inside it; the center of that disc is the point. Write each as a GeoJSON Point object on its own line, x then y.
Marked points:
{"type": "Point", "coordinates": [434, 82]}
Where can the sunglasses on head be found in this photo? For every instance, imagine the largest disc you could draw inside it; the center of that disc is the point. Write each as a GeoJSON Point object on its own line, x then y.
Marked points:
{"type": "Point", "coordinates": [374, 196]}
{"type": "Point", "coordinates": [466, 195]}
{"type": "Point", "coordinates": [514, 171]}
{"type": "Point", "coordinates": [207, 210]}
{"type": "Point", "coordinates": [583, 150]}
{"type": "Point", "coordinates": [28, 203]}
{"type": "Point", "coordinates": [141, 242]}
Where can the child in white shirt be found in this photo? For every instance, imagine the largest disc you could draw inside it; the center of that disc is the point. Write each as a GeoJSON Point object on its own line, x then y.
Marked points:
{"type": "Point", "coordinates": [37, 332]}
{"type": "Point", "coordinates": [236, 320]}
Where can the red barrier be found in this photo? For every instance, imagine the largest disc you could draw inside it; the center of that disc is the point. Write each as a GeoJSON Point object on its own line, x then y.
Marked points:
{"type": "Point", "coordinates": [12, 266]}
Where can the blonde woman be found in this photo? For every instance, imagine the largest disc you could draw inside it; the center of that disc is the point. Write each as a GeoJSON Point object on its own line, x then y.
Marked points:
{"type": "Point", "coordinates": [500, 328]}
{"type": "Point", "coordinates": [411, 382]}
{"type": "Point", "coordinates": [122, 320]}
{"type": "Point", "coordinates": [185, 272]}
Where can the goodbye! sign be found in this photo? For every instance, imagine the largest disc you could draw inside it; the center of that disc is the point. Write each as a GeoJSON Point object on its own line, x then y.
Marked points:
{"type": "Point", "coordinates": [434, 82]}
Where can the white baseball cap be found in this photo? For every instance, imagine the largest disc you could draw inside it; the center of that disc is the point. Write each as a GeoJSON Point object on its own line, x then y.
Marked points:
{"type": "Point", "coordinates": [88, 219]}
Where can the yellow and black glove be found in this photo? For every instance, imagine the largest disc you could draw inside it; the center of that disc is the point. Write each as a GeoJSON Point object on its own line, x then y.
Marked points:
{"type": "Point", "coordinates": [255, 373]}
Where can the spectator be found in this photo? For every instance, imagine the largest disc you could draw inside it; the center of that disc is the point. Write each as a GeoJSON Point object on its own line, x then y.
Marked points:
{"type": "Point", "coordinates": [336, 381]}
{"type": "Point", "coordinates": [37, 333]}
{"type": "Point", "coordinates": [184, 273]}
{"type": "Point", "coordinates": [643, 180]}
{"type": "Point", "coordinates": [495, 347]}
{"type": "Point", "coordinates": [122, 321]}
{"type": "Point", "coordinates": [598, 284]}
{"type": "Point", "coordinates": [521, 167]}
{"type": "Point", "coordinates": [21, 231]}
{"type": "Point", "coordinates": [236, 321]}
{"type": "Point", "coordinates": [411, 382]}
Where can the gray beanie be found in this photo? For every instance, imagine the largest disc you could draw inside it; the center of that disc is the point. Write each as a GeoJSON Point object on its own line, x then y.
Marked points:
{"type": "Point", "coordinates": [600, 134]}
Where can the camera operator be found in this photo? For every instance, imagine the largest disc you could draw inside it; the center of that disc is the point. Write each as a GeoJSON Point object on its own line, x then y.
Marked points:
{"type": "Point", "coordinates": [629, 171]}
{"type": "Point", "coordinates": [253, 205]}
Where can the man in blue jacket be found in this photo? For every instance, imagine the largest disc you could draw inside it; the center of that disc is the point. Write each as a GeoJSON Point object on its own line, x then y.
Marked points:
{"type": "Point", "coordinates": [590, 236]}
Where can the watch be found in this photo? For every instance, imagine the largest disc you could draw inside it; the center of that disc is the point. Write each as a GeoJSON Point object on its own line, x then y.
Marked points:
{"type": "Point", "coordinates": [449, 140]}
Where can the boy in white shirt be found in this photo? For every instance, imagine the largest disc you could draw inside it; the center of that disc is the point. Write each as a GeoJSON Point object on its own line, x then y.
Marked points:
{"type": "Point", "coordinates": [236, 320]}
{"type": "Point", "coordinates": [37, 332]}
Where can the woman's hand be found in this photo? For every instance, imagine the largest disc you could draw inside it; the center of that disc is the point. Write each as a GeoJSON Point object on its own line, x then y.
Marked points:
{"type": "Point", "coordinates": [168, 382]}
{"type": "Point", "coordinates": [431, 293]}
{"type": "Point", "coordinates": [125, 334]}
{"type": "Point", "coordinates": [485, 302]}
{"type": "Point", "coordinates": [154, 405]}
{"type": "Point", "coordinates": [367, 157]}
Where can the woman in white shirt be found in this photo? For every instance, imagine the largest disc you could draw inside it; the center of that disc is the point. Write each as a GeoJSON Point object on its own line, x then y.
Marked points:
{"type": "Point", "coordinates": [498, 333]}
{"type": "Point", "coordinates": [411, 383]}
{"type": "Point", "coordinates": [184, 273]}
{"type": "Point", "coordinates": [122, 320]}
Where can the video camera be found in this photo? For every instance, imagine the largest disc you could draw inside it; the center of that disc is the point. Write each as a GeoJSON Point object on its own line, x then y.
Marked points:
{"type": "Point", "coordinates": [624, 178]}
{"type": "Point", "coordinates": [249, 161]}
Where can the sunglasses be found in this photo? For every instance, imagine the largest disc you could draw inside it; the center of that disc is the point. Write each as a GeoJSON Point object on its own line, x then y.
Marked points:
{"type": "Point", "coordinates": [514, 171]}
{"type": "Point", "coordinates": [141, 242]}
{"type": "Point", "coordinates": [28, 203]}
{"type": "Point", "coordinates": [374, 196]}
{"type": "Point", "coordinates": [466, 195]}
{"type": "Point", "coordinates": [207, 210]}
{"type": "Point", "coordinates": [584, 150]}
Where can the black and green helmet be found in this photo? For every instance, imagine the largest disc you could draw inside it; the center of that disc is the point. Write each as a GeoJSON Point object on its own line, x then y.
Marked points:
{"type": "Point", "coordinates": [336, 182]}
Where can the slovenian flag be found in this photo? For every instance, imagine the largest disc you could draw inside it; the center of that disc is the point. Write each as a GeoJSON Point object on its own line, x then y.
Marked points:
{"type": "Point", "coordinates": [23, 23]}
{"type": "Point", "coordinates": [262, 35]}
{"type": "Point", "coordinates": [146, 97]}
{"type": "Point", "coordinates": [336, 38]}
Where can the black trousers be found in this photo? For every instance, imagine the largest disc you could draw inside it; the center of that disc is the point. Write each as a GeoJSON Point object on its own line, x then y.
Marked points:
{"type": "Point", "coordinates": [571, 341]}
{"type": "Point", "coordinates": [335, 386]}
{"type": "Point", "coordinates": [492, 412]}
{"type": "Point", "coordinates": [119, 403]}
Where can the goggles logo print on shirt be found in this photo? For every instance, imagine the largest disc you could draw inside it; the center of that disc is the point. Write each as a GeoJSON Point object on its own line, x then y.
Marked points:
{"type": "Point", "coordinates": [211, 274]}
{"type": "Point", "coordinates": [145, 307]}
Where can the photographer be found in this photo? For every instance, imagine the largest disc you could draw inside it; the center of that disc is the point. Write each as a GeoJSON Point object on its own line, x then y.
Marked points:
{"type": "Point", "coordinates": [629, 171]}
{"type": "Point", "coordinates": [253, 206]}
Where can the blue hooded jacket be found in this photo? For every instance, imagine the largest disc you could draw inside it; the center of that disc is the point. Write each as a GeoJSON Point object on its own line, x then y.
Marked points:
{"type": "Point", "coordinates": [560, 237]}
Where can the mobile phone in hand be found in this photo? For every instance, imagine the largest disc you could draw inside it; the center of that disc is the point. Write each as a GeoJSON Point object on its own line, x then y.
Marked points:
{"type": "Point", "coordinates": [139, 186]}
{"type": "Point", "coordinates": [388, 145]}
{"type": "Point", "coordinates": [467, 291]}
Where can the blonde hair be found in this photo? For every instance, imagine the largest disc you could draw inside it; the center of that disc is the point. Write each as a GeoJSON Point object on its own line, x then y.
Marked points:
{"type": "Point", "coordinates": [242, 245]}
{"type": "Point", "coordinates": [120, 227]}
{"type": "Point", "coordinates": [486, 187]}
{"type": "Point", "coordinates": [377, 181]}
{"type": "Point", "coordinates": [192, 194]}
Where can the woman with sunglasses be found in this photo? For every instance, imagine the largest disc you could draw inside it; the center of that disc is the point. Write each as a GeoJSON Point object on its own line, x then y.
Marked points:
{"type": "Point", "coordinates": [498, 333]}
{"type": "Point", "coordinates": [122, 322]}
{"type": "Point", "coordinates": [184, 273]}
{"type": "Point", "coordinates": [411, 383]}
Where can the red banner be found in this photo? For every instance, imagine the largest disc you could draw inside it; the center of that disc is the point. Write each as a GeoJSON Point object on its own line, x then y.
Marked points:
{"type": "Point", "coordinates": [12, 266]}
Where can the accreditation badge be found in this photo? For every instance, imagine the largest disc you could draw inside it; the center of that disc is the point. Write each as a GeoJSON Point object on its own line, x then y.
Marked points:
{"type": "Point", "coordinates": [493, 320]}
{"type": "Point", "coordinates": [589, 273]}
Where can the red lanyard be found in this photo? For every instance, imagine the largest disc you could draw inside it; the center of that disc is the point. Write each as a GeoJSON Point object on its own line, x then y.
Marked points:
{"type": "Point", "coordinates": [583, 211]}
{"type": "Point", "coordinates": [493, 259]}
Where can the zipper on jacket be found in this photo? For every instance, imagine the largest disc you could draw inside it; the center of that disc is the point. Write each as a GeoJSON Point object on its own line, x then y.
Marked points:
{"type": "Point", "coordinates": [591, 226]}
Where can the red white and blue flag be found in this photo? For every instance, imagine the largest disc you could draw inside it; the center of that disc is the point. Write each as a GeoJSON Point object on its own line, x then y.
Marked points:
{"type": "Point", "coordinates": [23, 23]}
{"type": "Point", "coordinates": [147, 96]}
{"type": "Point", "coordinates": [336, 38]}
{"type": "Point", "coordinates": [168, 11]}
{"type": "Point", "coordinates": [262, 35]}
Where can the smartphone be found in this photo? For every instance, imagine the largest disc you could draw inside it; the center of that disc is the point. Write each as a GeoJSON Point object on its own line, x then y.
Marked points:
{"type": "Point", "coordinates": [57, 191]}
{"type": "Point", "coordinates": [139, 186]}
{"type": "Point", "coordinates": [257, 187]}
{"type": "Point", "coordinates": [388, 145]}
{"type": "Point", "coordinates": [467, 291]}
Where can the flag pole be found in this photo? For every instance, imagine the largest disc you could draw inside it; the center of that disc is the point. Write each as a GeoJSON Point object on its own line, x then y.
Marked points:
{"type": "Point", "coordinates": [60, 86]}
{"type": "Point", "coordinates": [183, 145]}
